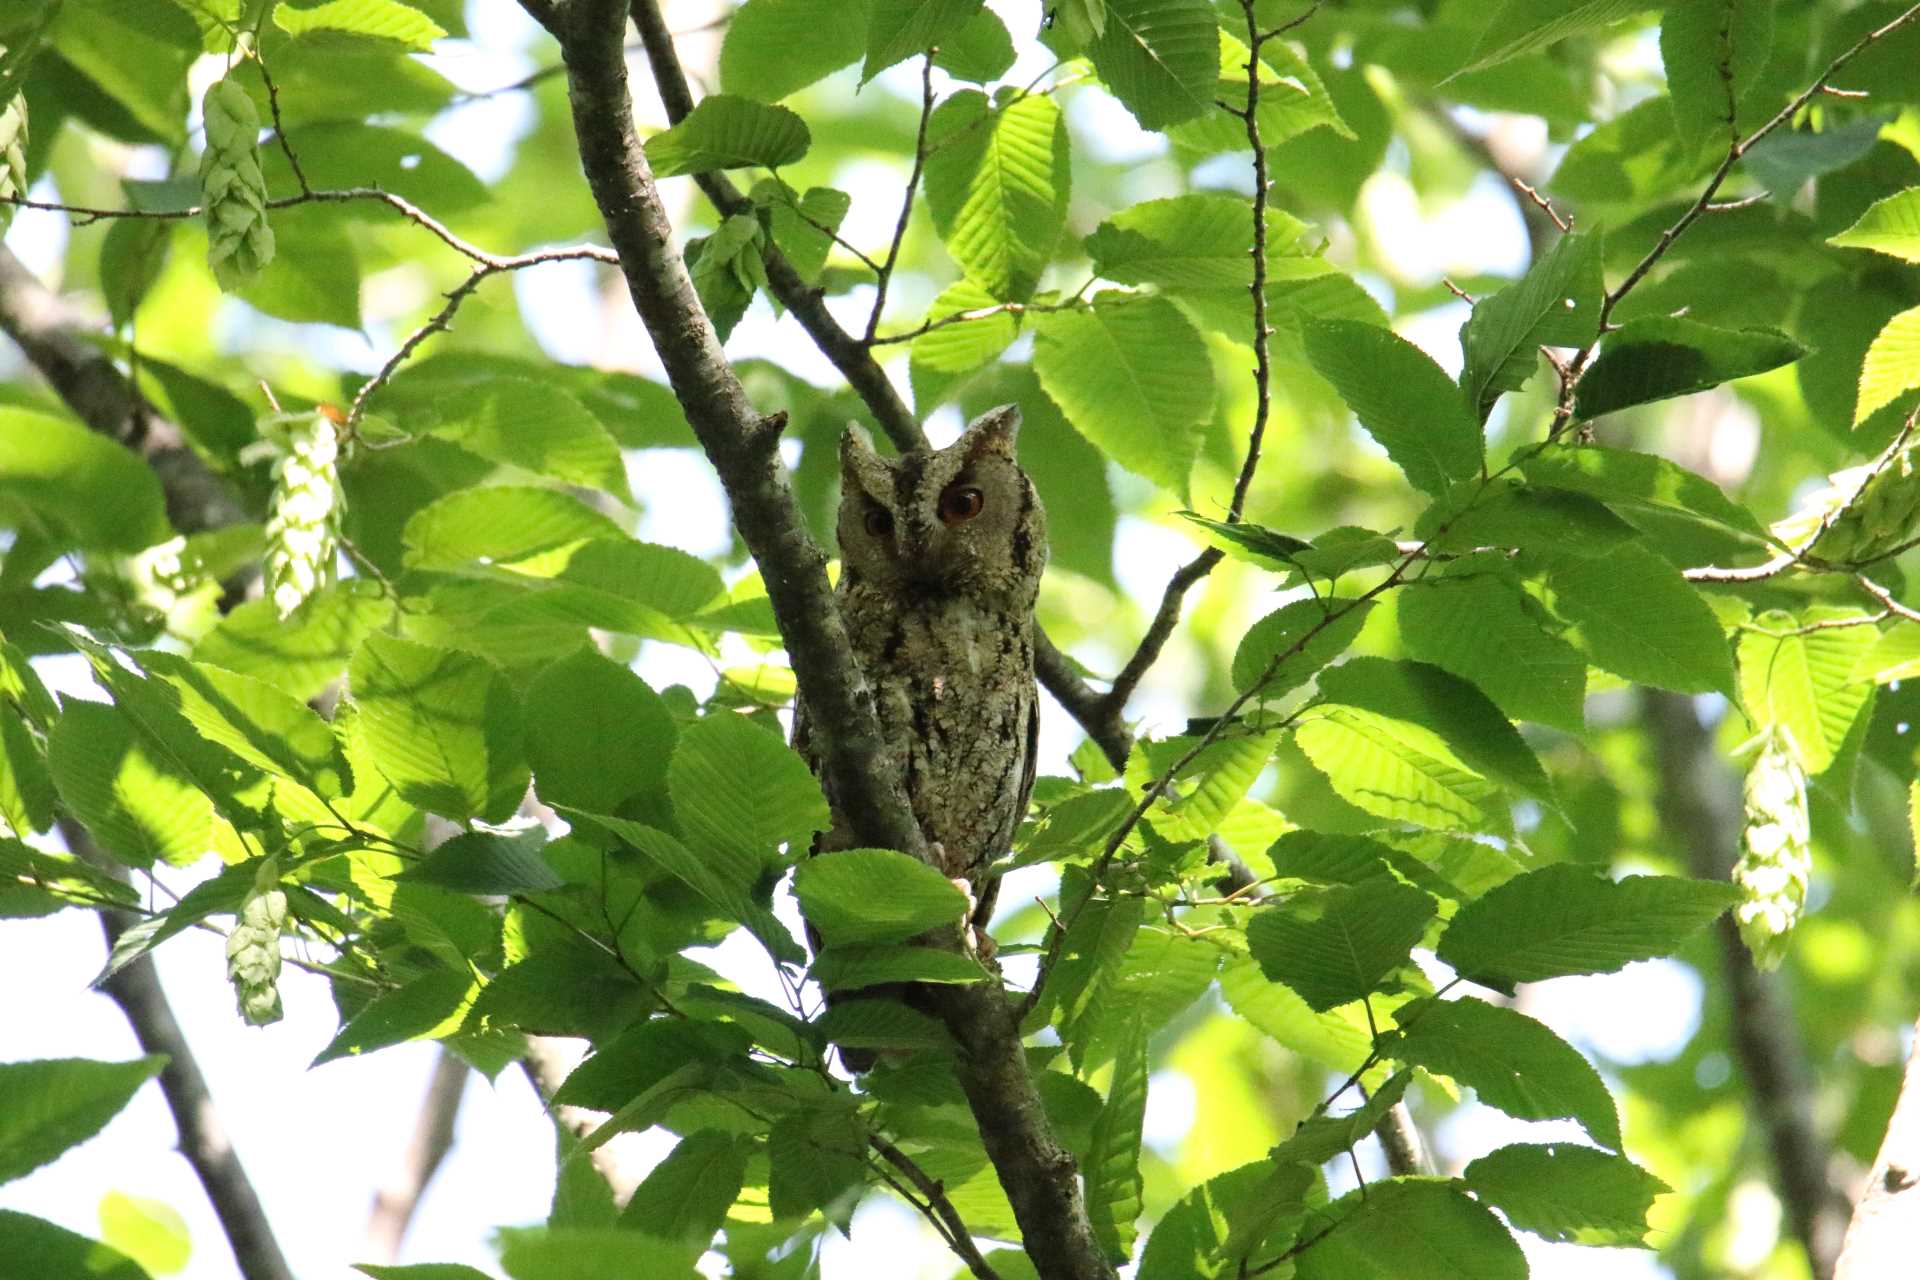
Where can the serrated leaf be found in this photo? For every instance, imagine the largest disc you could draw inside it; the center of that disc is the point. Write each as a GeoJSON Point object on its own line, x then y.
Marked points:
{"type": "Point", "coordinates": [726, 131]}
{"type": "Point", "coordinates": [1633, 614]}
{"type": "Point", "coordinates": [1892, 366]}
{"type": "Point", "coordinates": [1713, 51]}
{"type": "Point", "coordinates": [375, 19]}
{"type": "Point", "coordinates": [27, 793]}
{"type": "Point", "coordinates": [1207, 788]}
{"type": "Point", "coordinates": [431, 1005]}
{"type": "Point", "coordinates": [1513, 1062]}
{"type": "Point", "coordinates": [1894, 656]}
{"type": "Point", "coordinates": [589, 1254]}
{"type": "Point", "coordinates": [1399, 770]}
{"type": "Point", "coordinates": [1408, 1229]}
{"type": "Point", "coordinates": [978, 51]}
{"type": "Point", "coordinates": [881, 1024]}
{"type": "Point", "coordinates": [263, 725]}
{"type": "Point", "coordinates": [1563, 1192]}
{"type": "Point", "coordinates": [1403, 399]}
{"type": "Point", "coordinates": [444, 727]}
{"type": "Point", "coordinates": [528, 531]}
{"type": "Point", "coordinates": [723, 877]}
{"type": "Point", "coordinates": [816, 1160]}
{"type": "Point", "coordinates": [302, 654]}
{"type": "Point", "coordinates": [535, 426]}
{"type": "Point", "coordinates": [482, 862]}
{"type": "Point", "coordinates": [1482, 627]}
{"type": "Point", "coordinates": [1114, 1189]}
{"type": "Point", "coordinates": [1803, 680]}
{"type": "Point", "coordinates": [849, 968]}
{"type": "Point", "coordinates": [898, 29]}
{"type": "Point", "coordinates": [1099, 934]}
{"type": "Point", "coordinates": [1289, 646]}
{"type": "Point", "coordinates": [1660, 357]}
{"type": "Point", "coordinates": [1890, 226]}
{"type": "Point", "coordinates": [1160, 58]}
{"type": "Point", "coordinates": [137, 804]}
{"type": "Point", "coordinates": [1333, 945]}
{"type": "Point", "coordinates": [1527, 26]}
{"type": "Point", "coordinates": [874, 895]}
{"type": "Point", "coordinates": [1189, 1242]}
{"type": "Point", "coordinates": [797, 225]}
{"type": "Point", "coordinates": [1329, 1038]}
{"type": "Point", "coordinates": [57, 1103]}
{"type": "Point", "coordinates": [1566, 919]}
{"type": "Point", "coordinates": [1197, 241]}
{"type": "Point", "coordinates": [596, 733]}
{"type": "Point", "coordinates": [722, 757]}
{"type": "Point", "coordinates": [1320, 1138]}
{"type": "Point", "coordinates": [997, 184]}
{"type": "Point", "coordinates": [1630, 480]}
{"type": "Point", "coordinates": [1133, 377]}
{"type": "Point", "coordinates": [941, 355]}
{"type": "Point", "coordinates": [776, 47]}
{"type": "Point", "coordinates": [1293, 100]}
{"type": "Point", "coordinates": [88, 491]}
{"type": "Point", "coordinates": [685, 1198]}
{"type": "Point", "coordinates": [1556, 304]}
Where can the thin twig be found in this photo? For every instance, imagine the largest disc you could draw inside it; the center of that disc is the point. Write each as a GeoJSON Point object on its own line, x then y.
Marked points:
{"type": "Point", "coordinates": [884, 275]}
{"type": "Point", "coordinates": [937, 1207]}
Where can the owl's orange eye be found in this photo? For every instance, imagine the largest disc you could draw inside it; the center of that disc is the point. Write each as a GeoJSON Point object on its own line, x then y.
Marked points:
{"type": "Point", "coordinates": [879, 523]}
{"type": "Point", "coordinates": [960, 504]}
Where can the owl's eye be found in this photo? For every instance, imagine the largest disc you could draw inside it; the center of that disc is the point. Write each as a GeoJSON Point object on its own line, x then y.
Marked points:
{"type": "Point", "coordinates": [879, 523]}
{"type": "Point", "coordinates": [961, 503]}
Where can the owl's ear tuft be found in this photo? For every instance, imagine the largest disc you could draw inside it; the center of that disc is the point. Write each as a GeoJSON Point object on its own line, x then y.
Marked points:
{"type": "Point", "coordinates": [993, 432]}
{"type": "Point", "coordinates": [861, 468]}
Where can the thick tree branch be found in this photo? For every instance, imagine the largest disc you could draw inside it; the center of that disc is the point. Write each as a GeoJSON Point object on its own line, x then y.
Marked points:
{"type": "Point", "coordinates": [395, 1203]}
{"type": "Point", "coordinates": [203, 1139]}
{"type": "Point", "coordinates": [1884, 1237]}
{"type": "Point", "coordinates": [48, 331]}
{"type": "Point", "coordinates": [1700, 804]}
{"type": "Point", "coordinates": [1039, 1176]}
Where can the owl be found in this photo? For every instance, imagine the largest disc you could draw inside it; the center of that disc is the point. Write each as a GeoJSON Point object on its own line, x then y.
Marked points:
{"type": "Point", "coordinates": [940, 559]}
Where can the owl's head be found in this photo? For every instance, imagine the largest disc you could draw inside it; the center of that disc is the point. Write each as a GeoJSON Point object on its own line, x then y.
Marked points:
{"type": "Point", "coordinates": [963, 520]}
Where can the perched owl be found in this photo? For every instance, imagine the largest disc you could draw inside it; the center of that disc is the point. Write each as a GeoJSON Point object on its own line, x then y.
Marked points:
{"type": "Point", "coordinates": [940, 560]}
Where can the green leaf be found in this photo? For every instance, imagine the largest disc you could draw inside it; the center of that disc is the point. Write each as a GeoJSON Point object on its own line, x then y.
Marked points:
{"type": "Point", "coordinates": [1894, 656]}
{"type": "Point", "coordinates": [797, 224]}
{"type": "Point", "coordinates": [816, 1160]}
{"type": "Point", "coordinates": [135, 802]}
{"type": "Point", "coordinates": [898, 29]}
{"type": "Point", "coordinates": [348, 153]}
{"type": "Point", "coordinates": [1787, 159]}
{"type": "Point", "coordinates": [137, 54]}
{"type": "Point", "coordinates": [1099, 935]}
{"type": "Point", "coordinates": [1634, 615]}
{"type": "Point", "coordinates": [1506, 513]}
{"type": "Point", "coordinates": [1513, 1062]}
{"type": "Point", "coordinates": [1639, 481]}
{"type": "Point", "coordinates": [881, 1024]}
{"type": "Point", "coordinates": [727, 131]}
{"type": "Point", "coordinates": [1527, 26]}
{"type": "Point", "coordinates": [874, 895]}
{"type": "Point", "coordinates": [1186, 242]}
{"type": "Point", "coordinates": [1713, 51]}
{"type": "Point", "coordinates": [775, 47]}
{"type": "Point", "coordinates": [35, 1247]}
{"type": "Point", "coordinates": [1556, 304]}
{"type": "Point", "coordinates": [1160, 58]}
{"type": "Point", "coordinates": [1132, 376]}
{"type": "Point", "coordinates": [1890, 226]}
{"type": "Point", "coordinates": [1331, 1038]}
{"type": "Point", "coordinates": [596, 733]}
{"type": "Point", "coordinates": [853, 967]}
{"type": "Point", "coordinates": [443, 726]}
{"type": "Point", "coordinates": [1333, 945]}
{"type": "Point", "coordinates": [83, 489]}
{"type": "Point", "coordinates": [941, 355]}
{"type": "Point", "coordinates": [537, 426]}
{"type": "Point", "coordinates": [1401, 771]}
{"type": "Point", "coordinates": [1293, 100]}
{"type": "Point", "coordinates": [1892, 367]}
{"type": "Point", "coordinates": [978, 51]}
{"type": "Point", "coordinates": [426, 1270]}
{"type": "Point", "coordinates": [151, 1232]}
{"type": "Point", "coordinates": [1563, 1192]}
{"type": "Point", "coordinates": [718, 874]}
{"type": "Point", "coordinates": [722, 757]}
{"type": "Point", "coordinates": [1566, 919]}
{"type": "Point", "coordinates": [997, 184]}
{"type": "Point", "coordinates": [1189, 1241]}
{"type": "Point", "coordinates": [1408, 1229]}
{"type": "Point", "coordinates": [685, 1198]}
{"type": "Point", "coordinates": [305, 653]}
{"type": "Point", "coordinates": [481, 862]}
{"type": "Point", "coordinates": [314, 277]}
{"type": "Point", "coordinates": [376, 19]}
{"type": "Point", "coordinates": [1114, 1188]}
{"type": "Point", "coordinates": [534, 532]}
{"type": "Point", "coordinates": [432, 1005]}
{"type": "Point", "coordinates": [1403, 399]}
{"type": "Point", "coordinates": [1483, 627]}
{"type": "Point", "coordinates": [27, 793]}
{"type": "Point", "coordinates": [585, 1254]}
{"type": "Point", "coordinates": [1207, 787]}
{"type": "Point", "coordinates": [264, 726]}
{"type": "Point", "coordinates": [57, 1103]}
{"type": "Point", "coordinates": [1803, 680]}
{"type": "Point", "coordinates": [1660, 357]}
{"type": "Point", "coordinates": [1319, 1138]}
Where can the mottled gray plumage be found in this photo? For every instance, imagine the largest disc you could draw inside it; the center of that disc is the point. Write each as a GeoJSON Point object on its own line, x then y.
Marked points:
{"type": "Point", "coordinates": [941, 553]}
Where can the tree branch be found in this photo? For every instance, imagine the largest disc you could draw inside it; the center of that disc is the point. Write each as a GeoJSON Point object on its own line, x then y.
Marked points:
{"type": "Point", "coordinates": [395, 1203]}
{"type": "Point", "coordinates": [203, 1139]}
{"type": "Point", "coordinates": [1700, 804]}
{"type": "Point", "coordinates": [1039, 1176]}
{"type": "Point", "coordinates": [1884, 1236]}
{"type": "Point", "coordinates": [938, 1207]}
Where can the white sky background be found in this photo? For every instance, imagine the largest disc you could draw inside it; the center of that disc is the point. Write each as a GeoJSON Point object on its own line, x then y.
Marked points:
{"type": "Point", "coordinates": [317, 1143]}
